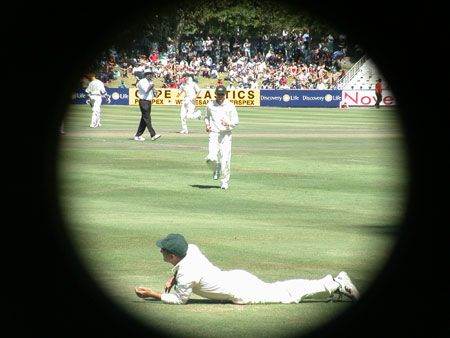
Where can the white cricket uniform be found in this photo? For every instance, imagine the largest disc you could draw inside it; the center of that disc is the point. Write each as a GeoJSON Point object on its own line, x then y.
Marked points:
{"type": "Point", "coordinates": [95, 91]}
{"type": "Point", "coordinates": [187, 111]}
{"type": "Point", "coordinates": [220, 137]}
{"type": "Point", "coordinates": [196, 274]}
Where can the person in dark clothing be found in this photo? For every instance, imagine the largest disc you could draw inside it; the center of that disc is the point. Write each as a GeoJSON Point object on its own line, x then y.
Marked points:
{"type": "Point", "coordinates": [378, 93]}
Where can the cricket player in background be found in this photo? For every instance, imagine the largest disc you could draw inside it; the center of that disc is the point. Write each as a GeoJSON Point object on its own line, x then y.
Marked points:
{"type": "Point", "coordinates": [193, 273]}
{"type": "Point", "coordinates": [220, 119]}
{"type": "Point", "coordinates": [190, 90]}
{"type": "Point", "coordinates": [95, 92]}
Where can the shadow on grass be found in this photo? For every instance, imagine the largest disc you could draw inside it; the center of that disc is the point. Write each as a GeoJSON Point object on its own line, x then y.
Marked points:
{"type": "Point", "coordinates": [208, 301]}
{"type": "Point", "coordinates": [201, 186]}
{"type": "Point", "coordinates": [191, 301]}
{"type": "Point", "coordinates": [215, 302]}
{"type": "Point", "coordinates": [381, 229]}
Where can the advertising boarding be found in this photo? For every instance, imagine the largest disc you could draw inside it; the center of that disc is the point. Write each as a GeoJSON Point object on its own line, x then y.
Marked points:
{"type": "Point", "coordinates": [118, 96]}
{"type": "Point", "coordinates": [251, 97]}
{"type": "Point", "coordinates": [301, 98]}
{"type": "Point", "coordinates": [172, 97]}
{"type": "Point", "coordinates": [367, 98]}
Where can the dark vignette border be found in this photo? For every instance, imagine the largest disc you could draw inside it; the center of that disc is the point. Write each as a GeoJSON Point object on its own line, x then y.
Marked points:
{"type": "Point", "coordinates": [49, 294]}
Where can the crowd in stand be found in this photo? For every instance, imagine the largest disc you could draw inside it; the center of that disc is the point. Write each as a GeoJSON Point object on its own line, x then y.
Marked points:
{"type": "Point", "coordinates": [290, 60]}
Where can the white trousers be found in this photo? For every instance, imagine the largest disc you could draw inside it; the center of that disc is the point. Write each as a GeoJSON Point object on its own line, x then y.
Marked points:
{"type": "Point", "coordinates": [219, 151]}
{"type": "Point", "coordinates": [188, 112]}
{"type": "Point", "coordinates": [96, 102]}
{"type": "Point", "coordinates": [249, 289]}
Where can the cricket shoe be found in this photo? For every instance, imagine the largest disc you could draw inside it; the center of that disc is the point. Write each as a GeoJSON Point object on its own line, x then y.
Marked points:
{"type": "Point", "coordinates": [157, 136]}
{"type": "Point", "coordinates": [139, 138]}
{"type": "Point", "coordinates": [224, 186]}
{"type": "Point", "coordinates": [346, 287]}
{"type": "Point", "coordinates": [216, 174]}
{"type": "Point", "coordinates": [183, 131]}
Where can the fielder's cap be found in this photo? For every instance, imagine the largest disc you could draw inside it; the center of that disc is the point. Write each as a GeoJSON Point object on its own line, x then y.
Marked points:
{"type": "Point", "coordinates": [148, 71]}
{"type": "Point", "coordinates": [221, 90]}
{"type": "Point", "coordinates": [174, 243]}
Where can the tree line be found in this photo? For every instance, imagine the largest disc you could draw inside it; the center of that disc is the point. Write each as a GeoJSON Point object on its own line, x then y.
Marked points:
{"type": "Point", "coordinates": [226, 18]}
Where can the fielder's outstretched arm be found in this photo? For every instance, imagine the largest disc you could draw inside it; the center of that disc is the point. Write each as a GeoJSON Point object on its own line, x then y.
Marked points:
{"type": "Point", "coordinates": [143, 292]}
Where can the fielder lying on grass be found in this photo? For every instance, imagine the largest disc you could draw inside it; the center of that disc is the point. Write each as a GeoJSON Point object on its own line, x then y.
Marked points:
{"type": "Point", "coordinates": [194, 273]}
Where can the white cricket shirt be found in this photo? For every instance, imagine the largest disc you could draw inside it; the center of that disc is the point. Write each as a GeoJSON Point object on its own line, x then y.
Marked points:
{"type": "Point", "coordinates": [96, 87]}
{"type": "Point", "coordinates": [217, 115]}
{"type": "Point", "coordinates": [142, 87]}
{"type": "Point", "coordinates": [190, 89]}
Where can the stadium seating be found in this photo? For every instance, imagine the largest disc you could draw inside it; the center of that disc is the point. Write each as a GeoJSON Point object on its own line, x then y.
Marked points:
{"type": "Point", "coordinates": [363, 76]}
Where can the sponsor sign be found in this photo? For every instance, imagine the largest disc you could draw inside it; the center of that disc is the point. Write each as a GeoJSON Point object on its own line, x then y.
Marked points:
{"type": "Point", "coordinates": [170, 97]}
{"type": "Point", "coordinates": [118, 96]}
{"type": "Point", "coordinates": [301, 98]}
{"type": "Point", "coordinates": [240, 97]}
{"type": "Point", "coordinates": [79, 97]}
{"type": "Point", "coordinates": [164, 97]}
{"type": "Point", "coordinates": [362, 98]}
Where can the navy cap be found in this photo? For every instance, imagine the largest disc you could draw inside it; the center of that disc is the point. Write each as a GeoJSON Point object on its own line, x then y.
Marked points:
{"type": "Point", "coordinates": [174, 243]}
{"type": "Point", "coordinates": [221, 90]}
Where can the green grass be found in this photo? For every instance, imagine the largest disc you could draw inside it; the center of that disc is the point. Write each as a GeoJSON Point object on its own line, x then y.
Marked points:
{"type": "Point", "coordinates": [312, 192]}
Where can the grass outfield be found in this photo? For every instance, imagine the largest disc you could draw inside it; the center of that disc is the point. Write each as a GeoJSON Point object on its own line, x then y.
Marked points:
{"type": "Point", "coordinates": [312, 192]}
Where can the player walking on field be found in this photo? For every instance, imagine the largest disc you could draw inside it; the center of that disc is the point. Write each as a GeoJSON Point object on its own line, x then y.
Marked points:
{"type": "Point", "coordinates": [187, 110]}
{"type": "Point", "coordinates": [193, 273]}
{"type": "Point", "coordinates": [95, 92]}
{"type": "Point", "coordinates": [220, 119]}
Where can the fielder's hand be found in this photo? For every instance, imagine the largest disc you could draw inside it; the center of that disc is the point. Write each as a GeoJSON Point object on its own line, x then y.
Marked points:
{"type": "Point", "coordinates": [143, 292]}
{"type": "Point", "coordinates": [169, 284]}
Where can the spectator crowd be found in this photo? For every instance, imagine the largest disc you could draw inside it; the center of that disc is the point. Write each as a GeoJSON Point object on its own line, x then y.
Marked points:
{"type": "Point", "coordinates": [289, 60]}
